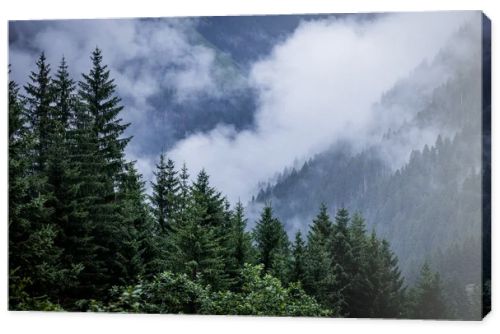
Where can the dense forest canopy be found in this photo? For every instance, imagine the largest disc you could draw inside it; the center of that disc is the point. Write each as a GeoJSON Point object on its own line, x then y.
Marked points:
{"type": "Point", "coordinates": [85, 236]}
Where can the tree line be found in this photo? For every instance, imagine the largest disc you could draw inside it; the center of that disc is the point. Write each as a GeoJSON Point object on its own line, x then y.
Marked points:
{"type": "Point", "coordinates": [85, 236]}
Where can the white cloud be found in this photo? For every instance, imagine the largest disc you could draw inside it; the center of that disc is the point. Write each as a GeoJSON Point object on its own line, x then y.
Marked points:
{"type": "Point", "coordinates": [196, 76]}
{"type": "Point", "coordinates": [317, 87]}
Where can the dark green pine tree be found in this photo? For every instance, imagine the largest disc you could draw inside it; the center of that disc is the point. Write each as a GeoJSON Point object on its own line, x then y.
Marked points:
{"type": "Point", "coordinates": [361, 300]}
{"type": "Point", "coordinates": [342, 263]}
{"type": "Point", "coordinates": [58, 160]}
{"type": "Point", "coordinates": [318, 260]}
{"type": "Point", "coordinates": [210, 203]}
{"type": "Point", "coordinates": [390, 295]}
{"type": "Point", "coordinates": [384, 290]}
{"type": "Point", "coordinates": [36, 273]}
{"type": "Point", "coordinates": [20, 142]}
{"type": "Point", "coordinates": [196, 245]}
{"type": "Point", "coordinates": [426, 298]}
{"type": "Point", "coordinates": [184, 188]}
{"type": "Point", "coordinates": [63, 88]}
{"type": "Point", "coordinates": [142, 243]}
{"type": "Point", "coordinates": [50, 104]}
{"type": "Point", "coordinates": [273, 246]}
{"type": "Point", "coordinates": [165, 197]}
{"type": "Point", "coordinates": [100, 163]}
{"type": "Point", "coordinates": [240, 248]}
{"type": "Point", "coordinates": [97, 92]}
{"type": "Point", "coordinates": [226, 244]}
{"type": "Point", "coordinates": [183, 199]}
{"type": "Point", "coordinates": [373, 275]}
{"type": "Point", "coordinates": [195, 249]}
{"type": "Point", "coordinates": [39, 97]}
{"type": "Point", "coordinates": [357, 235]}
{"type": "Point", "coordinates": [21, 204]}
{"type": "Point", "coordinates": [84, 181]}
{"type": "Point", "coordinates": [298, 271]}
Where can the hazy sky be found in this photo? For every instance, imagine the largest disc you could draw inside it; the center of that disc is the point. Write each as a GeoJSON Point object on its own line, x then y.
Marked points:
{"type": "Point", "coordinates": [315, 81]}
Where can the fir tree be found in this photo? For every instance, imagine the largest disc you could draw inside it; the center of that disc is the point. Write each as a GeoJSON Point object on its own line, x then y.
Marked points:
{"type": "Point", "coordinates": [322, 228]}
{"type": "Point", "coordinates": [343, 262]}
{"type": "Point", "coordinates": [50, 105]}
{"type": "Point", "coordinates": [272, 244]}
{"type": "Point", "coordinates": [240, 249]}
{"type": "Point", "coordinates": [298, 271]}
{"type": "Point", "coordinates": [360, 299]}
{"type": "Point", "coordinates": [195, 249]}
{"type": "Point", "coordinates": [384, 291]}
{"type": "Point", "coordinates": [390, 299]}
{"type": "Point", "coordinates": [36, 274]}
{"type": "Point", "coordinates": [183, 187]}
{"type": "Point", "coordinates": [209, 201]}
{"type": "Point", "coordinates": [426, 298]}
{"type": "Point", "coordinates": [63, 89]}
{"type": "Point", "coordinates": [319, 274]}
{"type": "Point", "coordinates": [58, 160]}
{"type": "Point", "coordinates": [84, 180]}
{"type": "Point", "coordinates": [196, 242]}
{"type": "Point", "coordinates": [165, 198]}
{"type": "Point", "coordinates": [98, 157]}
{"type": "Point", "coordinates": [39, 97]}
{"type": "Point", "coordinates": [97, 93]}
{"type": "Point", "coordinates": [142, 239]}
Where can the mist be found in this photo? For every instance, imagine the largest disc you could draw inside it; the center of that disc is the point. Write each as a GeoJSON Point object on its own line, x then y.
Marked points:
{"type": "Point", "coordinates": [321, 86]}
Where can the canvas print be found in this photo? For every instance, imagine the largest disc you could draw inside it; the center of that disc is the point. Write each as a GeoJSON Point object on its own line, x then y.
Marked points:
{"type": "Point", "coordinates": [330, 165]}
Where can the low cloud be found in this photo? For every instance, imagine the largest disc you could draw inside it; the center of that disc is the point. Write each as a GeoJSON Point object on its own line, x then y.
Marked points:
{"type": "Point", "coordinates": [317, 87]}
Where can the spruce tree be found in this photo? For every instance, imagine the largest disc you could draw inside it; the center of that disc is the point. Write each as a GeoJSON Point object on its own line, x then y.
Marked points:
{"type": "Point", "coordinates": [298, 271]}
{"type": "Point", "coordinates": [343, 263]}
{"type": "Point", "coordinates": [36, 273]}
{"type": "Point", "coordinates": [374, 275]}
{"type": "Point", "coordinates": [99, 159]}
{"type": "Point", "coordinates": [58, 160]}
{"type": "Point", "coordinates": [142, 239]}
{"type": "Point", "coordinates": [390, 299]}
{"type": "Point", "coordinates": [195, 249]}
{"type": "Point", "coordinates": [209, 201]}
{"type": "Point", "coordinates": [426, 298]}
{"type": "Point", "coordinates": [165, 197]}
{"type": "Point", "coordinates": [183, 187]}
{"type": "Point", "coordinates": [50, 106]}
{"type": "Point", "coordinates": [39, 97]}
{"type": "Point", "coordinates": [196, 243]}
{"type": "Point", "coordinates": [20, 142]}
{"type": "Point", "coordinates": [84, 180]}
{"type": "Point", "coordinates": [319, 275]}
{"type": "Point", "coordinates": [360, 299]}
{"type": "Point", "coordinates": [384, 291]}
{"type": "Point", "coordinates": [97, 94]}
{"type": "Point", "coordinates": [19, 197]}
{"type": "Point", "coordinates": [272, 245]}
{"type": "Point", "coordinates": [240, 248]}
{"type": "Point", "coordinates": [63, 89]}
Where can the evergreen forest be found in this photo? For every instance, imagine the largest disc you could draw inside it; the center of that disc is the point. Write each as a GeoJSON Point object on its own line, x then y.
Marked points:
{"type": "Point", "coordinates": [84, 235]}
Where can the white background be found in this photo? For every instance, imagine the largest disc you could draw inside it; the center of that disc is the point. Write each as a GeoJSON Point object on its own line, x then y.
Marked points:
{"type": "Point", "coordinates": [21, 322]}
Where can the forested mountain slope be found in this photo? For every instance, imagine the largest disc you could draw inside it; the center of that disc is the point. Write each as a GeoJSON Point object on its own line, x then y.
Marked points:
{"type": "Point", "coordinates": [419, 183]}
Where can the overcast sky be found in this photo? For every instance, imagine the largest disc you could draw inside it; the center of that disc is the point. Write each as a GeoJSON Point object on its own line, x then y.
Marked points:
{"type": "Point", "coordinates": [315, 81]}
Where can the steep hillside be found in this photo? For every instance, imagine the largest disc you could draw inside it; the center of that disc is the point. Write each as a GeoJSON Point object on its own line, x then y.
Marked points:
{"type": "Point", "coordinates": [419, 183]}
